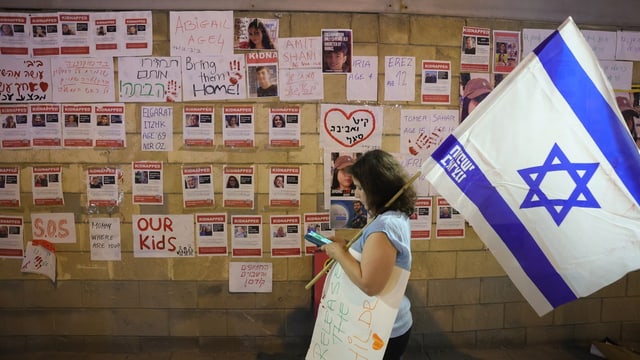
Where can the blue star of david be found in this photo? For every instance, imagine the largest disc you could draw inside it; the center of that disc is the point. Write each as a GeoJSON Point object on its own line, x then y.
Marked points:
{"type": "Point", "coordinates": [580, 173]}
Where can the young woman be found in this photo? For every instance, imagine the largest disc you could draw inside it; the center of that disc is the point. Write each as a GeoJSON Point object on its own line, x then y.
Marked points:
{"type": "Point", "coordinates": [341, 182]}
{"type": "Point", "coordinates": [258, 36]}
{"type": "Point", "coordinates": [385, 241]}
{"type": "Point", "coordinates": [278, 121]}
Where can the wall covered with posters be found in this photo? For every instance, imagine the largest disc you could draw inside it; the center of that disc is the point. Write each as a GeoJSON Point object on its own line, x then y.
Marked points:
{"type": "Point", "coordinates": [160, 168]}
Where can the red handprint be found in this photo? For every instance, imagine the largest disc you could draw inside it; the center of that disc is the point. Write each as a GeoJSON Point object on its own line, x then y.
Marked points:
{"type": "Point", "coordinates": [424, 142]}
{"type": "Point", "coordinates": [172, 91]}
{"type": "Point", "coordinates": [234, 72]}
{"type": "Point", "coordinates": [38, 262]}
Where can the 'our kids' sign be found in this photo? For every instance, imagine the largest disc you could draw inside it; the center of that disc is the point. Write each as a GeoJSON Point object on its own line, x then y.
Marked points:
{"type": "Point", "coordinates": [163, 236]}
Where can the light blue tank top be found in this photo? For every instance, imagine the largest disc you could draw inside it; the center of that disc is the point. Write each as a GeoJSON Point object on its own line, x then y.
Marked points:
{"type": "Point", "coordinates": [395, 225]}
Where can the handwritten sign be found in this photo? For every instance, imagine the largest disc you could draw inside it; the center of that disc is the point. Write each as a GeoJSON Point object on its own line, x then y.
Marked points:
{"type": "Point", "coordinates": [157, 128]}
{"type": "Point", "coordinates": [104, 234]}
{"type": "Point", "coordinates": [214, 77]}
{"type": "Point", "coordinates": [628, 45]}
{"type": "Point", "coordinates": [350, 322]}
{"type": "Point", "coordinates": [201, 33]}
{"type": "Point", "coordinates": [56, 228]}
{"type": "Point", "coordinates": [362, 82]}
{"type": "Point", "coordinates": [149, 79]}
{"type": "Point", "coordinates": [40, 258]}
{"type": "Point", "coordinates": [532, 38]}
{"type": "Point", "coordinates": [421, 132]}
{"type": "Point", "coordinates": [300, 63]}
{"type": "Point", "coordinates": [82, 79]}
{"type": "Point", "coordinates": [300, 52]}
{"type": "Point", "coordinates": [350, 127]}
{"type": "Point", "coordinates": [163, 236]}
{"type": "Point", "coordinates": [250, 277]}
{"type": "Point", "coordinates": [399, 78]}
{"type": "Point", "coordinates": [25, 80]}
{"type": "Point", "coordinates": [603, 43]}
{"type": "Point", "coordinates": [618, 73]}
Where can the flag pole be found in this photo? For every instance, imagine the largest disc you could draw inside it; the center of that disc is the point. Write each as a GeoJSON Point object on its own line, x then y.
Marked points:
{"type": "Point", "coordinates": [331, 261]}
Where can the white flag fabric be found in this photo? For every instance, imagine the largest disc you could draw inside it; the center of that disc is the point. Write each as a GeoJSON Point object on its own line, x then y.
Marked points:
{"type": "Point", "coordinates": [546, 172]}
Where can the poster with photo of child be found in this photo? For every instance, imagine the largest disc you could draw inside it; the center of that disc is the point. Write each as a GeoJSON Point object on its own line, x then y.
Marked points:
{"type": "Point", "coordinates": [337, 50]}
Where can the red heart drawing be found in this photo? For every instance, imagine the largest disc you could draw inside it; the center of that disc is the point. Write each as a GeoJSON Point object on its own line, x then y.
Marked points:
{"type": "Point", "coordinates": [349, 129]}
{"type": "Point", "coordinates": [44, 86]}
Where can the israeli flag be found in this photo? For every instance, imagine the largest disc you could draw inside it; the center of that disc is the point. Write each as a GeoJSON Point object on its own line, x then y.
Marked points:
{"type": "Point", "coordinates": [546, 172]}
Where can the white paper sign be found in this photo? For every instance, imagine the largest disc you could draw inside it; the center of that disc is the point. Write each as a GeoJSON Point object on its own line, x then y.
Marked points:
{"type": "Point", "coordinates": [300, 62]}
{"type": "Point", "coordinates": [619, 74]}
{"type": "Point", "coordinates": [149, 79]}
{"type": "Point", "coordinates": [83, 79]}
{"type": "Point", "coordinates": [350, 127]}
{"type": "Point", "coordinates": [532, 38]}
{"type": "Point", "coordinates": [362, 82]}
{"type": "Point", "coordinates": [218, 77]}
{"type": "Point", "coordinates": [157, 128]}
{"type": "Point", "coordinates": [55, 228]}
{"type": "Point", "coordinates": [399, 78]}
{"type": "Point", "coordinates": [25, 80]}
{"type": "Point", "coordinates": [603, 43]}
{"type": "Point", "coordinates": [628, 45]}
{"type": "Point", "coordinates": [250, 277]}
{"type": "Point", "coordinates": [201, 32]}
{"type": "Point", "coordinates": [351, 324]}
{"type": "Point", "coordinates": [40, 258]}
{"type": "Point", "coordinates": [104, 234]}
{"type": "Point", "coordinates": [163, 236]}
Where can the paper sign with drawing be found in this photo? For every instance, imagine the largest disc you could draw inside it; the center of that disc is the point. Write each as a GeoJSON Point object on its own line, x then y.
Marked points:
{"type": "Point", "coordinates": [351, 323]}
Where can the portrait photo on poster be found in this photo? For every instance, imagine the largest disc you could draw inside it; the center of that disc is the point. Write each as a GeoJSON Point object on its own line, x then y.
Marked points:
{"type": "Point", "coordinates": [337, 50]}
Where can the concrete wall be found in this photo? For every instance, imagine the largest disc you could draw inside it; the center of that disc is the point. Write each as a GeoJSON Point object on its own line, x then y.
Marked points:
{"type": "Point", "coordinates": [460, 295]}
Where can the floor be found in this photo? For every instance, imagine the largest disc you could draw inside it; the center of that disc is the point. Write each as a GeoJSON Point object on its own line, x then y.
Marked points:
{"type": "Point", "coordinates": [547, 352]}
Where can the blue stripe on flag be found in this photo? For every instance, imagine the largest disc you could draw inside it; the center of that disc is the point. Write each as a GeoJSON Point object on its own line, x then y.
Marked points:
{"type": "Point", "coordinates": [592, 109]}
{"type": "Point", "coordinates": [503, 220]}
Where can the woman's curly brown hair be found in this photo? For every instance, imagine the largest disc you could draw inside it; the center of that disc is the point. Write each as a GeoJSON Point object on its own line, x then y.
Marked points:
{"type": "Point", "coordinates": [381, 176]}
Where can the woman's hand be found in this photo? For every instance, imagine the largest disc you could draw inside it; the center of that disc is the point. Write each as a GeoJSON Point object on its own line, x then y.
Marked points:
{"type": "Point", "coordinates": [337, 247]}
